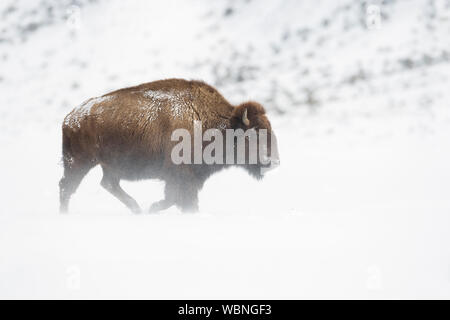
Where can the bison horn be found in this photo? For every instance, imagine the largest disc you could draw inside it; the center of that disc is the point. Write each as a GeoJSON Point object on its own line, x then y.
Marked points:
{"type": "Point", "coordinates": [245, 119]}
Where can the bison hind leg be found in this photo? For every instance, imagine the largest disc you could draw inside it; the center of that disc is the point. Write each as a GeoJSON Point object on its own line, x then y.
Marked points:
{"type": "Point", "coordinates": [73, 175]}
{"type": "Point", "coordinates": [111, 182]}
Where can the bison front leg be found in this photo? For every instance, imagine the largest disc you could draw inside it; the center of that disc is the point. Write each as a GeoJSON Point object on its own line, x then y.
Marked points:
{"type": "Point", "coordinates": [189, 205]}
{"type": "Point", "coordinates": [186, 197]}
{"type": "Point", "coordinates": [112, 184]}
{"type": "Point", "coordinates": [180, 193]}
{"type": "Point", "coordinates": [167, 202]}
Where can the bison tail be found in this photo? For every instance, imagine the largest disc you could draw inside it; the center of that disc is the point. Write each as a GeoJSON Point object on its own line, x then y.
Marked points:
{"type": "Point", "coordinates": [67, 155]}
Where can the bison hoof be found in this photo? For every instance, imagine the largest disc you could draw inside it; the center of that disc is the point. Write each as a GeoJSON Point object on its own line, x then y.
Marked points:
{"type": "Point", "coordinates": [63, 209]}
{"type": "Point", "coordinates": [136, 210]}
{"type": "Point", "coordinates": [154, 209]}
{"type": "Point", "coordinates": [189, 209]}
{"type": "Point", "coordinates": [159, 206]}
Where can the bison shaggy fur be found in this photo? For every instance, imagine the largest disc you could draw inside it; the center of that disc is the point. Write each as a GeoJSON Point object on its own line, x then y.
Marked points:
{"type": "Point", "coordinates": [128, 132]}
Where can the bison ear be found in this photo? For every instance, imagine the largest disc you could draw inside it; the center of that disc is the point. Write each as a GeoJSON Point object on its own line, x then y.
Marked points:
{"type": "Point", "coordinates": [245, 120]}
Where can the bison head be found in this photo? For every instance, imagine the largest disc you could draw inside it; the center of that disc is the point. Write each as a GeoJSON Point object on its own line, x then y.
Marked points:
{"type": "Point", "coordinates": [251, 117]}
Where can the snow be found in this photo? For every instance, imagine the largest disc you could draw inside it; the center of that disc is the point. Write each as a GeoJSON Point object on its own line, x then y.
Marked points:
{"type": "Point", "coordinates": [175, 98]}
{"type": "Point", "coordinates": [359, 207]}
{"type": "Point", "coordinates": [316, 227]}
{"type": "Point", "coordinates": [73, 120]}
{"type": "Point", "coordinates": [158, 95]}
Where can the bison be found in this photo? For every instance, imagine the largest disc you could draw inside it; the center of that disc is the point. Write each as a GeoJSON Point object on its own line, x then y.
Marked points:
{"type": "Point", "coordinates": [128, 132]}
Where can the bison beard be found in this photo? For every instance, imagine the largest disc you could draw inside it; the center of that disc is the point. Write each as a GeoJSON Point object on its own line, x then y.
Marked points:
{"type": "Point", "coordinates": [128, 133]}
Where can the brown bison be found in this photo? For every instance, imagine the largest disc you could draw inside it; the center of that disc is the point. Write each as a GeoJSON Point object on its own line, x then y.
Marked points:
{"type": "Point", "coordinates": [128, 132]}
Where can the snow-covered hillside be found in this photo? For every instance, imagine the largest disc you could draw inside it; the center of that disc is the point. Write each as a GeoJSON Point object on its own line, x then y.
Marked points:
{"type": "Point", "coordinates": [357, 209]}
{"type": "Point", "coordinates": [290, 55]}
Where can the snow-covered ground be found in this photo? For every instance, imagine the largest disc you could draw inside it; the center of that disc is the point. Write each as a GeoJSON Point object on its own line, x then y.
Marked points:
{"type": "Point", "coordinates": [359, 207]}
